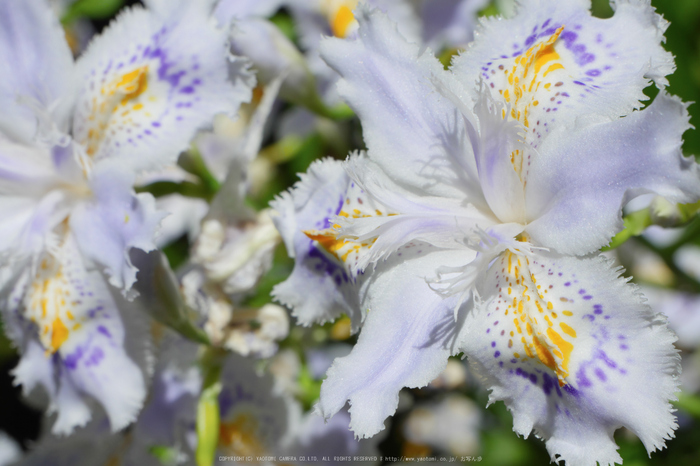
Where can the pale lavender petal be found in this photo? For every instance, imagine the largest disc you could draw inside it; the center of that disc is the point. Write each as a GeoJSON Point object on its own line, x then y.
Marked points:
{"type": "Point", "coordinates": [75, 341]}
{"type": "Point", "coordinates": [581, 179]}
{"type": "Point", "coordinates": [414, 133]}
{"type": "Point", "coordinates": [408, 334]}
{"type": "Point", "coordinates": [36, 78]}
{"type": "Point", "coordinates": [449, 23]}
{"type": "Point", "coordinates": [226, 10]}
{"type": "Point", "coordinates": [575, 354]}
{"type": "Point", "coordinates": [331, 439]}
{"type": "Point", "coordinates": [319, 289]}
{"type": "Point", "coordinates": [33, 198]}
{"type": "Point", "coordinates": [114, 222]}
{"type": "Point", "coordinates": [151, 80]}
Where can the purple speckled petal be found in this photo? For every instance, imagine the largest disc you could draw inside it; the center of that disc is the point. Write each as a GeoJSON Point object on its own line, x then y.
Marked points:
{"type": "Point", "coordinates": [554, 62]}
{"type": "Point", "coordinates": [320, 288]}
{"type": "Point", "coordinates": [574, 353]}
{"type": "Point", "coordinates": [67, 314]}
{"type": "Point", "coordinates": [150, 81]}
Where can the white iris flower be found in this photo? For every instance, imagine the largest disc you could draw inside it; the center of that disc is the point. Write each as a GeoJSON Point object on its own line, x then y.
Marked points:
{"type": "Point", "coordinates": [72, 138]}
{"type": "Point", "coordinates": [472, 222]}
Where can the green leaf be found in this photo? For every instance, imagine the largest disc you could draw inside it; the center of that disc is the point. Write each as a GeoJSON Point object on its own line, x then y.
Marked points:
{"type": "Point", "coordinates": [166, 455]}
{"type": "Point", "coordinates": [490, 10]}
{"type": "Point", "coordinates": [339, 112]}
{"type": "Point", "coordinates": [688, 211]}
{"type": "Point", "coordinates": [192, 162]}
{"type": "Point", "coordinates": [93, 9]}
{"type": "Point", "coordinates": [285, 24]}
{"type": "Point", "coordinates": [446, 55]}
{"type": "Point", "coordinates": [283, 150]}
{"type": "Point", "coordinates": [184, 188]}
{"type": "Point", "coordinates": [310, 389]}
{"type": "Point", "coordinates": [635, 224]}
{"type": "Point", "coordinates": [161, 297]}
{"type": "Point", "coordinates": [7, 350]}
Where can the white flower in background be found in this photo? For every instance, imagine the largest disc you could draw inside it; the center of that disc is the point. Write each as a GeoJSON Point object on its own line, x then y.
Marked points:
{"type": "Point", "coordinates": [239, 255]}
{"type": "Point", "coordinates": [318, 18]}
{"type": "Point", "coordinates": [73, 136]}
{"type": "Point", "coordinates": [682, 310]}
{"type": "Point", "coordinates": [450, 425]}
{"type": "Point", "coordinates": [472, 222]}
{"type": "Point", "coordinates": [244, 330]}
{"type": "Point", "coordinates": [436, 24]}
{"type": "Point", "coordinates": [453, 377]}
{"type": "Point", "coordinates": [272, 54]}
{"type": "Point", "coordinates": [258, 421]}
{"type": "Point", "coordinates": [233, 251]}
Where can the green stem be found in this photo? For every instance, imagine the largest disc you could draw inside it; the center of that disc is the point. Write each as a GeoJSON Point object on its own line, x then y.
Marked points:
{"type": "Point", "coordinates": [184, 188]}
{"type": "Point", "coordinates": [339, 112]}
{"type": "Point", "coordinates": [208, 415]}
{"type": "Point", "coordinates": [192, 162]}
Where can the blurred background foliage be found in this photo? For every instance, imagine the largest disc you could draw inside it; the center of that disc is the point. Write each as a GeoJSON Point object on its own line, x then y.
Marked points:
{"type": "Point", "coordinates": [499, 446]}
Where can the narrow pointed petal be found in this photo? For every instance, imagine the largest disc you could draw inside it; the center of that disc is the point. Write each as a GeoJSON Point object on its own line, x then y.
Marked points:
{"type": "Point", "coordinates": [575, 354]}
{"type": "Point", "coordinates": [407, 336]}
{"type": "Point", "coordinates": [150, 82]}
{"type": "Point", "coordinates": [37, 73]}
{"type": "Point", "coordinates": [495, 148]}
{"type": "Point", "coordinates": [413, 132]}
{"type": "Point", "coordinates": [580, 180]}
